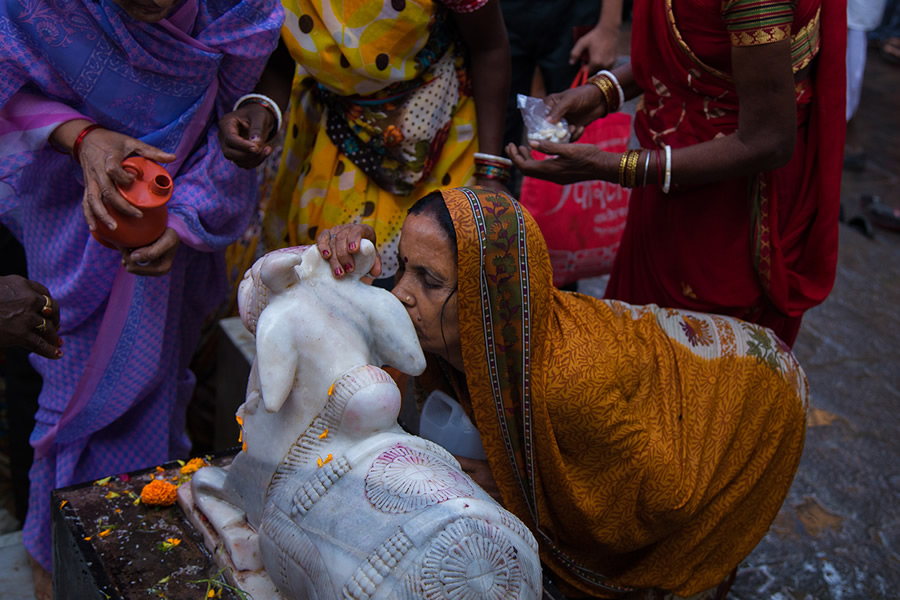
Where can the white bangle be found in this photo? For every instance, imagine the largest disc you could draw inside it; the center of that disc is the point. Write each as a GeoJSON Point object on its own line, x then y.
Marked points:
{"type": "Point", "coordinates": [265, 101]}
{"type": "Point", "coordinates": [493, 157]}
{"type": "Point", "coordinates": [616, 83]}
{"type": "Point", "coordinates": [667, 182]}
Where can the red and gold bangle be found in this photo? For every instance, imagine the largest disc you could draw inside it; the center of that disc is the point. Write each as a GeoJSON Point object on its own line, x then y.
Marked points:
{"type": "Point", "coordinates": [76, 147]}
{"type": "Point", "coordinates": [489, 166]}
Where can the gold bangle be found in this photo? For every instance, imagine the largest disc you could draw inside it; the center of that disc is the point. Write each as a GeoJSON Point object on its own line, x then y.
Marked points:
{"type": "Point", "coordinates": [633, 161]}
{"type": "Point", "coordinates": [607, 88]}
{"type": "Point", "coordinates": [622, 162]}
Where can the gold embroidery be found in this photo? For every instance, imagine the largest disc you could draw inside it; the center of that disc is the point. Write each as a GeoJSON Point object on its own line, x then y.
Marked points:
{"type": "Point", "coordinates": [759, 37]}
{"type": "Point", "coordinates": [805, 43]}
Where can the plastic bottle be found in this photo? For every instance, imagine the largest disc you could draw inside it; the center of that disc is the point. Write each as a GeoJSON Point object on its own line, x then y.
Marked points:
{"type": "Point", "coordinates": [150, 190]}
{"type": "Point", "coordinates": [444, 422]}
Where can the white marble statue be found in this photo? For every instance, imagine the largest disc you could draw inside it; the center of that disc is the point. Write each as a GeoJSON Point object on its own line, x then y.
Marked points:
{"type": "Point", "coordinates": [329, 498]}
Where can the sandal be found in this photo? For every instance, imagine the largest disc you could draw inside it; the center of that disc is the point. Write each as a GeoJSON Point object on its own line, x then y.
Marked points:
{"type": "Point", "coordinates": [890, 50]}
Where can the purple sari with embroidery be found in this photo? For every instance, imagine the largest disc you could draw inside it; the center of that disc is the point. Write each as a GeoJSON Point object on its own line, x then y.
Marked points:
{"type": "Point", "coordinates": [116, 400]}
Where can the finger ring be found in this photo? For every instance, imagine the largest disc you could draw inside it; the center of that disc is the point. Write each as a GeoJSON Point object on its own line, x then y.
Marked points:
{"type": "Point", "coordinates": [142, 263]}
{"type": "Point", "coordinates": [42, 327]}
{"type": "Point", "coordinates": [48, 305]}
{"type": "Point", "coordinates": [333, 236]}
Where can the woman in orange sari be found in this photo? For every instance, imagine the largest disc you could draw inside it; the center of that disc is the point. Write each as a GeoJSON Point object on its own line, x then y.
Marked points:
{"type": "Point", "coordinates": [647, 449]}
{"type": "Point", "coordinates": [737, 180]}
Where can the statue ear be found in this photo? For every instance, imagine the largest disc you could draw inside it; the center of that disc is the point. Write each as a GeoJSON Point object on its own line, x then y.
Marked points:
{"type": "Point", "coordinates": [276, 358]}
{"type": "Point", "coordinates": [365, 258]}
{"type": "Point", "coordinates": [396, 343]}
{"type": "Point", "coordinates": [277, 271]}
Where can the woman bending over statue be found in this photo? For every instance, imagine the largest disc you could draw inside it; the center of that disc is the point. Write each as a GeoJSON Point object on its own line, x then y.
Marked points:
{"type": "Point", "coordinates": [648, 449]}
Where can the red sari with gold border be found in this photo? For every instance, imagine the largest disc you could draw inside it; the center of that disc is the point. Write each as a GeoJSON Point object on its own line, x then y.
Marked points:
{"type": "Point", "coordinates": [761, 248]}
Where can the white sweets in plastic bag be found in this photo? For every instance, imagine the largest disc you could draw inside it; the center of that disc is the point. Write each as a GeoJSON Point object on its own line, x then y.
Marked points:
{"type": "Point", "coordinates": [534, 114]}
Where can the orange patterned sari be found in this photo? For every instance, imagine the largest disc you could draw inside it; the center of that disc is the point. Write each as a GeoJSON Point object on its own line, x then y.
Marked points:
{"type": "Point", "coordinates": [646, 448]}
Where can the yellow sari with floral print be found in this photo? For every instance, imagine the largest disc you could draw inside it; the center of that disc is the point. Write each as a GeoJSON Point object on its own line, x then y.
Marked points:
{"type": "Point", "coordinates": [646, 448]}
{"type": "Point", "coordinates": [381, 113]}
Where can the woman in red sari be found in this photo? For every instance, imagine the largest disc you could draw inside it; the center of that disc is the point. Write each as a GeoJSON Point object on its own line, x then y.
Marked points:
{"type": "Point", "coordinates": [737, 183]}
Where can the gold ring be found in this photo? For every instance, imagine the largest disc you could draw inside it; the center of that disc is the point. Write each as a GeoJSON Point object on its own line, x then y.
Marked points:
{"type": "Point", "coordinates": [42, 327]}
{"type": "Point", "coordinates": [48, 305]}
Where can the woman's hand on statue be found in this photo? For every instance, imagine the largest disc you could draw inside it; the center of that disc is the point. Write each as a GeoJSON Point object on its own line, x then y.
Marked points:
{"type": "Point", "coordinates": [580, 106]}
{"type": "Point", "coordinates": [567, 163]}
{"type": "Point", "coordinates": [101, 154]}
{"type": "Point", "coordinates": [480, 472]}
{"type": "Point", "coordinates": [244, 134]}
{"type": "Point", "coordinates": [338, 244]}
{"type": "Point", "coordinates": [29, 316]}
{"type": "Point", "coordinates": [154, 260]}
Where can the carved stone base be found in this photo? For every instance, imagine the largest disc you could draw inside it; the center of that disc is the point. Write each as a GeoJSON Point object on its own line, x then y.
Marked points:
{"type": "Point", "coordinates": [254, 582]}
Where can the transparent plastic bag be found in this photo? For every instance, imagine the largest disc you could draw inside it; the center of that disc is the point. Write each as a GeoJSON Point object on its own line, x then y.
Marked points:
{"type": "Point", "coordinates": [534, 114]}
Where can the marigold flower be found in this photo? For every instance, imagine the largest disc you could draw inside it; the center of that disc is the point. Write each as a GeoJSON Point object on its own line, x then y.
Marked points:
{"type": "Point", "coordinates": [193, 465]}
{"type": "Point", "coordinates": [159, 493]}
{"type": "Point", "coordinates": [105, 532]}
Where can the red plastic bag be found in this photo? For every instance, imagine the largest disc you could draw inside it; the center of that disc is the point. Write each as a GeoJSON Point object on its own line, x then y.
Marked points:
{"type": "Point", "coordinates": [582, 223]}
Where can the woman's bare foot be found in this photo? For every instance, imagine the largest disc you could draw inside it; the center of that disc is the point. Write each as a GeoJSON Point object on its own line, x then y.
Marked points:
{"type": "Point", "coordinates": [43, 584]}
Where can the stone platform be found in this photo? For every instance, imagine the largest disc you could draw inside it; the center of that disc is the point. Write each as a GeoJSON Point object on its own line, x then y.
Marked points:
{"type": "Point", "coordinates": [107, 544]}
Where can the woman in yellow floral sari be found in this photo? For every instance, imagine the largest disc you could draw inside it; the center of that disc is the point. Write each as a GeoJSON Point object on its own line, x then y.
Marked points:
{"type": "Point", "coordinates": [382, 110]}
{"type": "Point", "coordinates": [648, 449]}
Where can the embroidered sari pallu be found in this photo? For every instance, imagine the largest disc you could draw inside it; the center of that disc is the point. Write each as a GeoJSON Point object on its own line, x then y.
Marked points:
{"type": "Point", "coordinates": [645, 447]}
{"type": "Point", "coordinates": [381, 113]}
{"type": "Point", "coordinates": [762, 248]}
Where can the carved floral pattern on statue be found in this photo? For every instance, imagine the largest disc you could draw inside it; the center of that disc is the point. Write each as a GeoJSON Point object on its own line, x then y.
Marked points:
{"type": "Point", "coordinates": [471, 560]}
{"type": "Point", "coordinates": [404, 479]}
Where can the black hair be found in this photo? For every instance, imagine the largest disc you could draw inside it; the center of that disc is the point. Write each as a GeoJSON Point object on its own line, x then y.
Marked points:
{"type": "Point", "coordinates": [433, 205]}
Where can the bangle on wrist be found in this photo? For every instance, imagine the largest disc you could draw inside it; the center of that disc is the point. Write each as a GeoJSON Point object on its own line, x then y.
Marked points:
{"type": "Point", "coordinates": [483, 158]}
{"type": "Point", "coordinates": [491, 166]}
{"type": "Point", "coordinates": [615, 81]}
{"type": "Point", "coordinates": [266, 102]}
{"type": "Point", "coordinates": [667, 182]}
{"type": "Point", "coordinates": [606, 87]}
{"type": "Point", "coordinates": [646, 168]}
{"type": "Point", "coordinates": [623, 162]}
{"type": "Point", "coordinates": [76, 147]}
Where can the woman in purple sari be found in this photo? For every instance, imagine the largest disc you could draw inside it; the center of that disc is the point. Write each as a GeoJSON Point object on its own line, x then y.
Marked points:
{"type": "Point", "coordinates": [153, 76]}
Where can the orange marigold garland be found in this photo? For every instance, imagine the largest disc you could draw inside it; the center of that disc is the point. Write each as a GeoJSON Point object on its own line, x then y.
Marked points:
{"type": "Point", "coordinates": [159, 493]}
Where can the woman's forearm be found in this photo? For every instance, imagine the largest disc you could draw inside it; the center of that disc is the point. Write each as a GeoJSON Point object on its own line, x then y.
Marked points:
{"type": "Point", "coordinates": [485, 35]}
{"type": "Point", "coordinates": [278, 76]}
